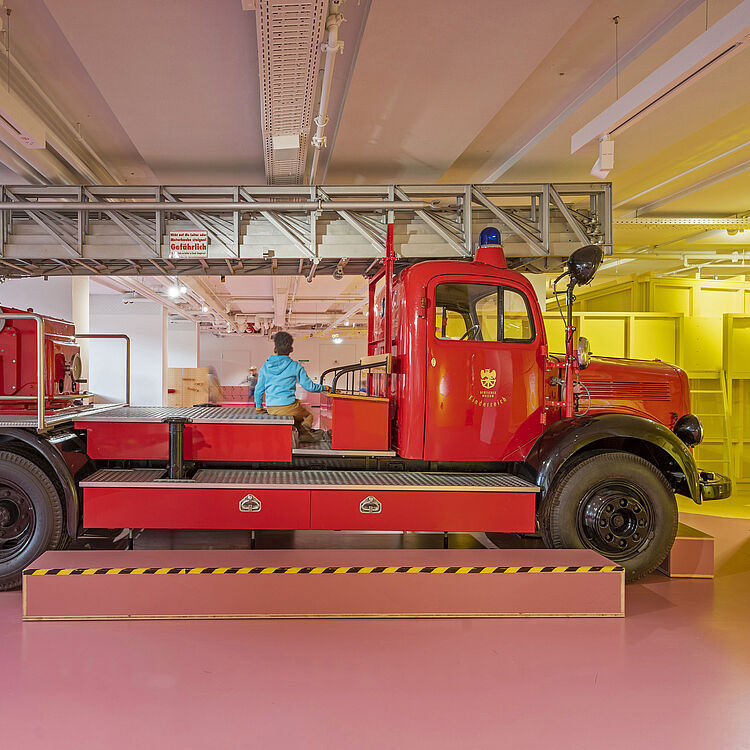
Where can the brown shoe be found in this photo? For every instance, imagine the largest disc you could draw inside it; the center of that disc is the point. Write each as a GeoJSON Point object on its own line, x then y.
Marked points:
{"type": "Point", "coordinates": [311, 436]}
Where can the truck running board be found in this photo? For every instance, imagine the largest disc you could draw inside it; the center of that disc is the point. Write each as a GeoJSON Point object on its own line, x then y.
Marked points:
{"type": "Point", "coordinates": [352, 500]}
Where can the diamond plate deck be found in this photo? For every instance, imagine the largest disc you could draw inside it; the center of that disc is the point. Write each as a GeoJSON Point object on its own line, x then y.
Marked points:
{"type": "Point", "coordinates": [123, 476]}
{"type": "Point", "coordinates": [318, 479]}
{"type": "Point", "coordinates": [323, 448]}
{"type": "Point", "coordinates": [197, 414]}
{"type": "Point", "coordinates": [59, 417]}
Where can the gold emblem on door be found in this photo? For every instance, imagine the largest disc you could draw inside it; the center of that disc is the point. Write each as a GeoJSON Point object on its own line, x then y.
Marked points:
{"type": "Point", "coordinates": [488, 378]}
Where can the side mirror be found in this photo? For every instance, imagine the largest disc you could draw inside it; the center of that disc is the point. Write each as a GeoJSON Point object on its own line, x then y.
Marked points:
{"type": "Point", "coordinates": [583, 263]}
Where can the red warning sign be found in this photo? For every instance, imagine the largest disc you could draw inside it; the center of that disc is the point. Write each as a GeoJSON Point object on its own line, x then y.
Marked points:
{"type": "Point", "coordinates": [188, 244]}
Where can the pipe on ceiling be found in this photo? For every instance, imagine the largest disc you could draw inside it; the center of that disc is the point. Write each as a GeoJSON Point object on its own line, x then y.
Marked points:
{"type": "Point", "coordinates": [124, 205]}
{"type": "Point", "coordinates": [332, 47]}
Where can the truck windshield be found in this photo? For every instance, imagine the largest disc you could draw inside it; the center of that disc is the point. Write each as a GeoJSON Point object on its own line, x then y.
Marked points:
{"type": "Point", "coordinates": [482, 312]}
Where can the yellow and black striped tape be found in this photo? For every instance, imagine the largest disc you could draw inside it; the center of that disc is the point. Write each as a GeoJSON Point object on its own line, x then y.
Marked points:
{"type": "Point", "coordinates": [320, 571]}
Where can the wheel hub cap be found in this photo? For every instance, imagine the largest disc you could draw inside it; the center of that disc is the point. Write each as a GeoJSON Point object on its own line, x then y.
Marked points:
{"type": "Point", "coordinates": [616, 519]}
{"type": "Point", "coordinates": [16, 520]}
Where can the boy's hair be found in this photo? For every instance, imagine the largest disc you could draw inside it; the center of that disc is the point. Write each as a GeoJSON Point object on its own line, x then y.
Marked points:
{"type": "Point", "coordinates": [283, 342]}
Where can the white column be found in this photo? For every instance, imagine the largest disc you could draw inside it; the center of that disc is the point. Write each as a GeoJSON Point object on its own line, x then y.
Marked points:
{"type": "Point", "coordinates": [184, 344]}
{"type": "Point", "coordinates": [80, 317]}
{"type": "Point", "coordinates": [539, 282]}
{"type": "Point", "coordinates": [164, 355]}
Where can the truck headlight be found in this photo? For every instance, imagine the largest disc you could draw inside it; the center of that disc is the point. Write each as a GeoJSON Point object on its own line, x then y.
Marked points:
{"type": "Point", "coordinates": [584, 352]}
{"type": "Point", "coordinates": [689, 429]}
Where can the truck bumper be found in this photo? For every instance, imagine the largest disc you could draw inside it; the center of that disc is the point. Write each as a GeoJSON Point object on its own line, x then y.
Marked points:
{"type": "Point", "coordinates": [714, 486]}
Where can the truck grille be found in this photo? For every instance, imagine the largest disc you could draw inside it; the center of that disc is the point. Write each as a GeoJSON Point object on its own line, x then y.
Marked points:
{"type": "Point", "coordinates": [626, 391]}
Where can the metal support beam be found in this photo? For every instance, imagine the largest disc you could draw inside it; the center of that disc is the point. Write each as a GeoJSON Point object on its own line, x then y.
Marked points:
{"type": "Point", "coordinates": [376, 239]}
{"type": "Point", "coordinates": [573, 223]}
{"type": "Point", "coordinates": [199, 221]}
{"type": "Point", "coordinates": [459, 247]}
{"type": "Point", "coordinates": [515, 226]}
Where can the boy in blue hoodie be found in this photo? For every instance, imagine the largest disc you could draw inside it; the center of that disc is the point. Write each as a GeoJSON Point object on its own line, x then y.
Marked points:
{"type": "Point", "coordinates": [278, 380]}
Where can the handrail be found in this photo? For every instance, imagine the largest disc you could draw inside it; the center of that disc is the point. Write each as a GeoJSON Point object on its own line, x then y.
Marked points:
{"type": "Point", "coordinates": [358, 367]}
{"type": "Point", "coordinates": [127, 354]}
{"type": "Point", "coordinates": [40, 394]}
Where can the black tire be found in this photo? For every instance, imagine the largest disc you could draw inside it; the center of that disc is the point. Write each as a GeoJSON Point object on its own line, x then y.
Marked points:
{"type": "Point", "coordinates": [617, 504]}
{"type": "Point", "coordinates": [31, 517]}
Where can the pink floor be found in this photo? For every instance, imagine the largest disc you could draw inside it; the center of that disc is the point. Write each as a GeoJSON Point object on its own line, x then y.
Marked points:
{"type": "Point", "coordinates": [675, 673]}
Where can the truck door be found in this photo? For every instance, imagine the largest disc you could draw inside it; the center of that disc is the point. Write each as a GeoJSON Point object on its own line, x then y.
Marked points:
{"type": "Point", "coordinates": [484, 371]}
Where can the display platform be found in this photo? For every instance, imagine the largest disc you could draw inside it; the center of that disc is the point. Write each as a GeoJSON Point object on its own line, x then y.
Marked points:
{"type": "Point", "coordinates": [691, 556]}
{"type": "Point", "coordinates": [236, 584]}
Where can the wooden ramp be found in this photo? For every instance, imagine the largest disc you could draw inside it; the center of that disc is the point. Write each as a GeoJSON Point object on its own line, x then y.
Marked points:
{"type": "Point", "coordinates": [691, 556]}
{"type": "Point", "coordinates": [225, 584]}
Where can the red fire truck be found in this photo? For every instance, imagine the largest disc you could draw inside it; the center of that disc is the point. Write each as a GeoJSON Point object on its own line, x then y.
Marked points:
{"type": "Point", "coordinates": [459, 419]}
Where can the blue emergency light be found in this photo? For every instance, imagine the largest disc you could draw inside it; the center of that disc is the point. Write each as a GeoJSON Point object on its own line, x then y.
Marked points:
{"type": "Point", "coordinates": [489, 236]}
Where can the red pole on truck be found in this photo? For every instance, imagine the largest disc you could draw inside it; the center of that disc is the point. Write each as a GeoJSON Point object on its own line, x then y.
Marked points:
{"type": "Point", "coordinates": [388, 263]}
{"type": "Point", "coordinates": [571, 363]}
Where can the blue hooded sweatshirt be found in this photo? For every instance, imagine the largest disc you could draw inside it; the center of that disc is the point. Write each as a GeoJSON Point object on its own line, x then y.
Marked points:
{"type": "Point", "coordinates": [278, 379]}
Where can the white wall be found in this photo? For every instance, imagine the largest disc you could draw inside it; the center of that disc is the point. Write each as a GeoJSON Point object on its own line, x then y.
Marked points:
{"type": "Point", "coordinates": [52, 297]}
{"type": "Point", "coordinates": [233, 355]}
{"type": "Point", "coordinates": [539, 282]}
{"type": "Point", "coordinates": [183, 344]}
{"type": "Point", "coordinates": [146, 324]}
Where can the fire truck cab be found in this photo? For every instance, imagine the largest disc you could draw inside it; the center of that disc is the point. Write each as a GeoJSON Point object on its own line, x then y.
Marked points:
{"type": "Point", "coordinates": [469, 359]}
{"type": "Point", "coordinates": [458, 419]}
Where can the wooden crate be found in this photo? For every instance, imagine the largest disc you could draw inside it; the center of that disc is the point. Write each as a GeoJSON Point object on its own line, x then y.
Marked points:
{"type": "Point", "coordinates": [187, 386]}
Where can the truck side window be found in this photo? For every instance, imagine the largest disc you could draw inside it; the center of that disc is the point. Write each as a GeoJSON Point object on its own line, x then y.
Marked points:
{"type": "Point", "coordinates": [450, 324]}
{"type": "Point", "coordinates": [455, 311]}
{"type": "Point", "coordinates": [517, 322]}
{"type": "Point", "coordinates": [482, 312]}
{"type": "Point", "coordinates": [488, 314]}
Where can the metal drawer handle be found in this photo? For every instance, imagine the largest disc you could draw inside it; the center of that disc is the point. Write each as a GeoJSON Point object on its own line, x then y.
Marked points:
{"type": "Point", "coordinates": [250, 504]}
{"type": "Point", "coordinates": [370, 505]}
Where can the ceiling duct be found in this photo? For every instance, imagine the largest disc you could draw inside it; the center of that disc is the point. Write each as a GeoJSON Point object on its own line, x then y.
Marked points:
{"type": "Point", "coordinates": [290, 33]}
{"type": "Point", "coordinates": [18, 120]}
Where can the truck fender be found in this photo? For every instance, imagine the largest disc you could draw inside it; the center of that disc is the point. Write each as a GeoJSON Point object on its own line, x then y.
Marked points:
{"type": "Point", "coordinates": [49, 453]}
{"type": "Point", "coordinates": [651, 440]}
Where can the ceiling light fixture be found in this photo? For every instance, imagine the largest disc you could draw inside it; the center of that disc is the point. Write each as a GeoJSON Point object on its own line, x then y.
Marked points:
{"type": "Point", "coordinates": [606, 161]}
{"type": "Point", "coordinates": [338, 272]}
{"type": "Point", "coordinates": [694, 60]}
{"type": "Point", "coordinates": [337, 339]}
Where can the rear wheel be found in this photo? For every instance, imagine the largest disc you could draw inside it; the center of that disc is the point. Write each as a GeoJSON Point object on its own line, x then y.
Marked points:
{"type": "Point", "coordinates": [617, 504]}
{"type": "Point", "coordinates": [31, 517]}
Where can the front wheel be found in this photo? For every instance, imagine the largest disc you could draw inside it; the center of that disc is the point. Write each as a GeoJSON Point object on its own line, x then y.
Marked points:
{"type": "Point", "coordinates": [617, 504]}
{"type": "Point", "coordinates": [31, 517]}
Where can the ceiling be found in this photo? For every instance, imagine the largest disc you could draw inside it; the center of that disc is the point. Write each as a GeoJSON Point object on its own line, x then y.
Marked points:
{"type": "Point", "coordinates": [428, 91]}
